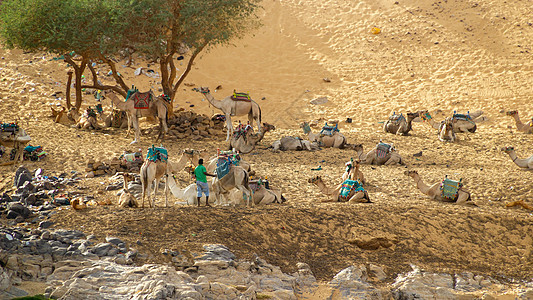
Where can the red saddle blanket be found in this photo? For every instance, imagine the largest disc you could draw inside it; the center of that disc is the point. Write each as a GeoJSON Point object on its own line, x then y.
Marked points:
{"type": "Point", "coordinates": [141, 100]}
{"type": "Point", "coordinates": [241, 97]}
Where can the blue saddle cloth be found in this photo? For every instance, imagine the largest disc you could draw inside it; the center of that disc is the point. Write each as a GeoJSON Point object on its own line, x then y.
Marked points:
{"type": "Point", "coordinates": [396, 118]}
{"type": "Point", "coordinates": [329, 129]}
{"type": "Point", "coordinates": [157, 153]}
{"type": "Point", "coordinates": [9, 127]}
{"type": "Point", "coordinates": [223, 166]}
{"type": "Point", "coordinates": [450, 189]}
{"type": "Point", "coordinates": [348, 187]}
{"type": "Point", "coordinates": [462, 117]}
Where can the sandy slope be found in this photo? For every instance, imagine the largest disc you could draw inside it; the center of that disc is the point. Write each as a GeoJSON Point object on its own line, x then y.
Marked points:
{"type": "Point", "coordinates": [447, 55]}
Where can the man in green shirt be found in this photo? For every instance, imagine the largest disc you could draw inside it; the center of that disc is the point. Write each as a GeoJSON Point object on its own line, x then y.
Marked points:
{"type": "Point", "coordinates": [200, 172]}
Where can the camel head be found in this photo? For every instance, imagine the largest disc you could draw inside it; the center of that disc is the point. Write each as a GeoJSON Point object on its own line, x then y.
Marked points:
{"type": "Point", "coordinates": [512, 113]}
{"type": "Point", "coordinates": [314, 179]}
{"type": "Point", "coordinates": [412, 116]}
{"type": "Point", "coordinates": [508, 149]}
{"type": "Point", "coordinates": [268, 127]}
{"type": "Point", "coordinates": [204, 90]}
{"type": "Point", "coordinates": [411, 173]}
{"type": "Point", "coordinates": [73, 115]}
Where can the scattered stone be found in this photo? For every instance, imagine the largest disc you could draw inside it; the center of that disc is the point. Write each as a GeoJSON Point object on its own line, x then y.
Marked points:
{"type": "Point", "coordinates": [46, 224]}
{"type": "Point", "coordinates": [319, 101]}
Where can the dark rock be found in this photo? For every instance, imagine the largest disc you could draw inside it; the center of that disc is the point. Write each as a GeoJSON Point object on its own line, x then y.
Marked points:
{"type": "Point", "coordinates": [30, 200]}
{"type": "Point", "coordinates": [114, 240]}
{"type": "Point", "coordinates": [418, 154]}
{"type": "Point", "coordinates": [22, 178]}
{"type": "Point", "coordinates": [16, 197]}
{"type": "Point", "coordinates": [102, 249]}
{"type": "Point", "coordinates": [44, 185]}
{"type": "Point", "coordinates": [69, 234]}
{"type": "Point", "coordinates": [5, 198]}
{"type": "Point", "coordinates": [62, 201]}
{"type": "Point", "coordinates": [18, 172]}
{"type": "Point", "coordinates": [12, 214]}
{"type": "Point", "coordinates": [27, 187]}
{"type": "Point", "coordinates": [19, 208]}
{"type": "Point", "coordinates": [46, 224]}
{"type": "Point", "coordinates": [19, 219]}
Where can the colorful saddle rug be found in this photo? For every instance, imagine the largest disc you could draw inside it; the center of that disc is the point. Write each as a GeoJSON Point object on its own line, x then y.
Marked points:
{"type": "Point", "coordinates": [224, 162]}
{"type": "Point", "coordinates": [241, 97]}
{"type": "Point", "coordinates": [397, 118]}
{"type": "Point", "coordinates": [383, 149]}
{"type": "Point", "coordinates": [157, 153]}
{"type": "Point", "coordinates": [450, 189]}
{"type": "Point", "coordinates": [329, 129]}
{"type": "Point", "coordinates": [255, 185]}
{"type": "Point", "coordinates": [117, 118]}
{"type": "Point", "coordinates": [33, 153]}
{"type": "Point", "coordinates": [141, 100]}
{"type": "Point", "coordinates": [241, 130]}
{"type": "Point", "coordinates": [90, 112]}
{"type": "Point", "coordinates": [9, 127]}
{"type": "Point", "coordinates": [348, 188]}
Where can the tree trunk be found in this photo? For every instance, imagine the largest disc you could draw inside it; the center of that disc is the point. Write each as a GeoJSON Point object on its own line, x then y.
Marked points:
{"type": "Point", "coordinates": [97, 85]}
{"type": "Point", "coordinates": [78, 71]}
{"type": "Point", "coordinates": [67, 95]}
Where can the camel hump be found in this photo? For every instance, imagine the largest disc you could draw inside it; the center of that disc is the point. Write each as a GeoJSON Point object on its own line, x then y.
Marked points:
{"type": "Point", "coordinates": [450, 189]}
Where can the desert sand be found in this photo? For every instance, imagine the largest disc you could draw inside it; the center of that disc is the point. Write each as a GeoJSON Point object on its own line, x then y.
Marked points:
{"type": "Point", "coordinates": [443, 56]}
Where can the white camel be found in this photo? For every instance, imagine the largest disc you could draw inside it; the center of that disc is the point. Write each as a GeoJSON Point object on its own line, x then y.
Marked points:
{"type": "Point", "coordinates": [446, 133]}
{"type": "Point", "coordinates": [232, 107]}
{"type": "Point", "coordinates": [435, 191]}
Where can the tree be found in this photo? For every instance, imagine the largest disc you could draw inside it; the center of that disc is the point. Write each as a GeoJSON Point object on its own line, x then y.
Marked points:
{"type": "Point", "coordinates": [101, 31]}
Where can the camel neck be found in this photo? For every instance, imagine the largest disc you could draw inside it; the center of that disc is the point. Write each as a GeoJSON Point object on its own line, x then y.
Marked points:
{"type": "Point", "coordinates": [323, 188]}
{"type": "Point", "coordinates": [522, 163]}
{"type": "Point", "coordinates": [420, 184]}
{"type": "Point", "coordinates": [212, 100]}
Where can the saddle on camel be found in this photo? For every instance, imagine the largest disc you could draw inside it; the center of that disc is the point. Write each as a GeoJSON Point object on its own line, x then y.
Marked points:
{"type": "Point", "coordinates": [329, 130]}
{"type": "Point", "coordinates": [348, 188]}
{"type": "Point", "coordinates": [382, 149]}
{"type": "Point", "coordinates": [450, 189]}
{"type": "Point", "coordinates": [11, 135]}
{"type": "Point", "coordinates": [241, 97]}
{"type": "Point", "coordinates": [157, 154]}
{"type": "Point", "coordinates": [224, 162]}
{"type": "Point", "coordinates": [242, 130]}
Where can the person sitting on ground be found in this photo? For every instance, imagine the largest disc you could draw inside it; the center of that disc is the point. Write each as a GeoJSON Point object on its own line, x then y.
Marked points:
{"type": "Point", "coordinates": [200, 173]}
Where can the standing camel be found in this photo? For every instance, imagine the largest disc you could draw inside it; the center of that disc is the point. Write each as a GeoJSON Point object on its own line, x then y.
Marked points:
{"type": "Point", "coordinates": [232, 107]}
{"type": "Point", "coordinates": [525, 163]}
{"type": "Point", "coordinates": [11, 135]}
{"type": "Point", "coordinates": [157, 107]}
{"type": "Point", "coordinates": [435, 191]}
{"type": "Point", "coordinates": [151, 172]}
{"type": "Point", "coordinates": [526, 128]}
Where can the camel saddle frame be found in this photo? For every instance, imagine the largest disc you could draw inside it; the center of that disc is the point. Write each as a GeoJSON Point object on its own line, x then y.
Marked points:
{"type": "Point", "coordinates": [142, 100]}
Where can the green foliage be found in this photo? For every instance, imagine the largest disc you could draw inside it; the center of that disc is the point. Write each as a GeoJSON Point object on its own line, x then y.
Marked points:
{"type": "Point", "coordinates": [36, 297]}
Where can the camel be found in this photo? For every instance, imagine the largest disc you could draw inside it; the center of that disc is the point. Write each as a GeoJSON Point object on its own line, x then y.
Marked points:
{"type": "Point", "coordinates": [12, 136]}
{"type": "Point", "coordinates": [187, 194]}
{"type": "Point", "coordinates": [461, 123]}
{"type": "Point", "coordinates": [236, 178]}
{"type": "Point", "coordinates": [212, 165]}
{"type": "Point", "coordinates": [337, 140]}
{"type": "Point", "coordinates": [354, 195]}
{"type": "Point", "coordinates": [446, 133]}
{"type": "Point", "coordinates": [261, 196]}
{"type": "Point", "coordinates": [126, 198]}
{"type": "Point", "coordinates": [77, 203]}
{"type": "Point", "coordinates": [246, 143]}
{"type": "Point", "coordinates": [382, 154]}
{"type": "Point", "coordinates": [158, 108]}
{"type": "Point", "coordinates": [287, 143]}
{"type": "Point", "coordinates": [87, 120]}
{"type": "Point", "coordinates": [59, 115]}
{"type": "Point", "coordinates": [435, 191]}
{"type": "Point", "coordinates": [188, 156]}
{"type": "Point", "coordinates": [232, 107]}
{"type": "Point", "coordinates": [523, 127]}
{"type": "Point", "coordinates": [151, 172]}
{"type": "Point", "coordinates": [525, 163]}
{"type": "Point", "coordinates": [353, 172]}
{"type": "Point", "coordinates": [117, 118]}
{"type": "Point", "coordinates": [397, 124]}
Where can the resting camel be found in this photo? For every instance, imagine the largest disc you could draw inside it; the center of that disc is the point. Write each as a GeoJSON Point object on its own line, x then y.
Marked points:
{"type": "Point", "coordinates": [158, 108]}
{"type": "Point", "coordinates": [353, 172]}
{"type": "Point", "coordinates": [446, 133]}
{"type": "Point", "coordinates": [236, 178]}
{"type": "Point", "coordinates": [117, 119]}
{"type": "Point", "coordinates": [126, 198]}
{"type": "Point", "coordinates": [391, 157]}
{"type": "Point", "coordinates": [85, 120]}
{"type": "Point", "coordinates": [397, 124]}
{"type": "Point", "coordinates": [261, 196]}
{"type": "Point", "coordinates": [59, 115]}
{"type": "Point", "coordinates": [334, 193]}
{"type": "Point", "coordinates": [287, 143]}
{"type": "Point", "coordinates": [187, 194]}
{"type": "Point", "coordinates": [232, 107]}
{"type": "Point", "coordinates": [435, 193]}
{"type": "Point", "coordinates": [246, 144]}
{"type": "Point", "coordinates": [461, 123]}
{"type": "Point", "coordinates": [525, 163]}
{"type": "Point", "coordinates": [526, 128]}
{"type": "Point", "coordinates": [337, 140]}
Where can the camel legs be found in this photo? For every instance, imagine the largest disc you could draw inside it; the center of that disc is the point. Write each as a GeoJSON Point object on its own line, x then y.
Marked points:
{"type": "Point", "coordinates": [360, 197]}
{"type": "Point", "coordinates": [463, 197]}
{"type": "Point", "coordinates": [229, 126]}
{"type": "Point", "coordinates": [137, 130]}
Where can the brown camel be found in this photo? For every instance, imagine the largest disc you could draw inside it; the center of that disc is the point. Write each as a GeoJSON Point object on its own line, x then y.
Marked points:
{"type": "Point", "coordinates": [397, 124]}
{"type": "Point", "coordinates": [288, 143]}
{"type": "Point", "coordinates": [354, 195]}
{"type": "Point", "coordinates": [353, 171]}
{"type": "Point", "coordinates": [336, 140]}
{"type": "Point", "coordinates": [126, 198]}
{"type": "Point", "coordinates": [526, 163]}
{"type": "Point", "coordinates": [236, 178]}
{"type": "Point", "coordinates": [232, 107]}
{"type": "Point", "coordinates": [87, 120]}
{"type": "Point", "coordinates": [158, 108]}
{"type": "Point", "coordinates": [152, 172]}
{"type": "Point", "coordinates": [59, 115]}
{"type": "Point", "coordinates": [245, 141]}
{"type": "Point", "coordinates": [461, 123]}
{"type": "Point", "coordinates": [436, 191]}
{"type": "Point", "coordinates": [523, 127]}
{"type": "Point", "coordinates": [382, 154]}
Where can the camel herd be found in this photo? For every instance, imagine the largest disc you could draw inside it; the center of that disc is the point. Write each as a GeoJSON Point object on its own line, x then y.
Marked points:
{"type": "Point", "coordinates": [235, 186]}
